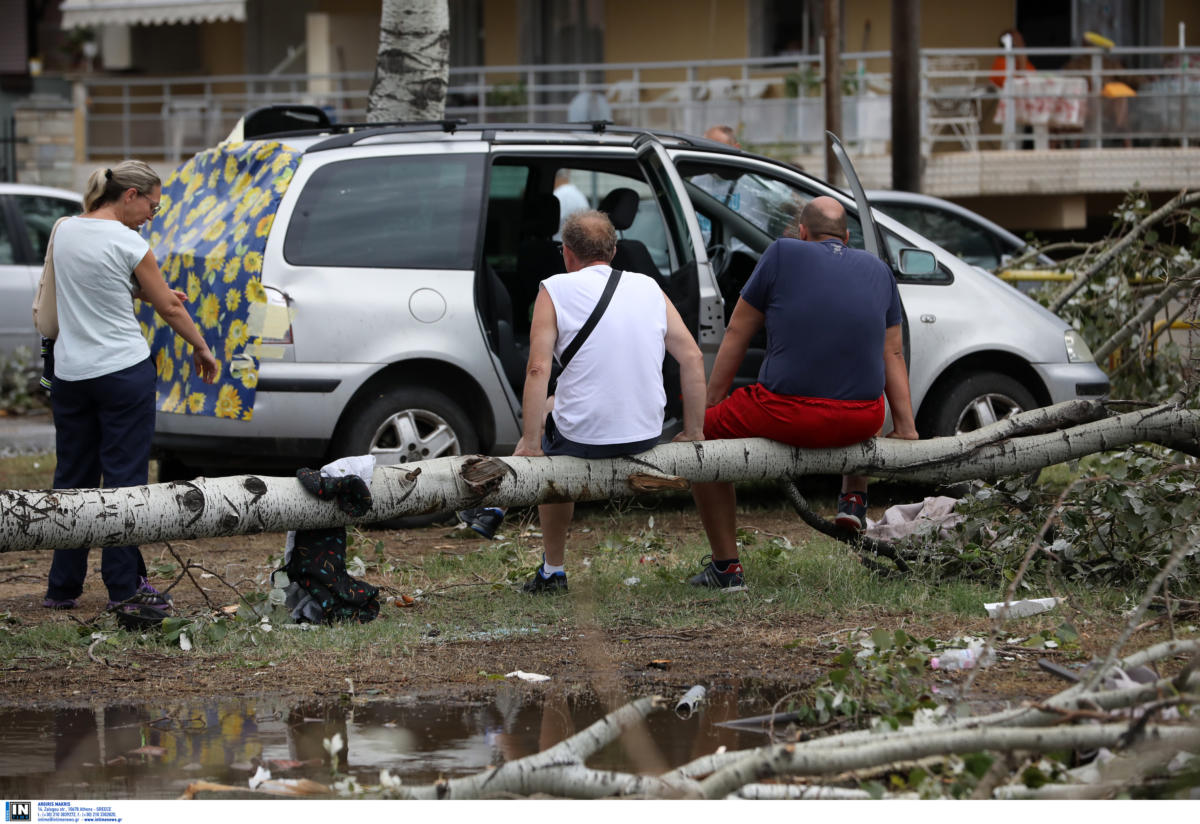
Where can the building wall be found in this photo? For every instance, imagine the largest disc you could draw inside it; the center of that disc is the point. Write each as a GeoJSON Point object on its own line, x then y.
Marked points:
{"type": "Point", "coordinates": [635, 30]}
{"type": "Point", "coordinates": [223, 47]}
{"type": "Point", "coordinates": [1181, 11]}
{"type": "Point", "coordinates": [501, 42]}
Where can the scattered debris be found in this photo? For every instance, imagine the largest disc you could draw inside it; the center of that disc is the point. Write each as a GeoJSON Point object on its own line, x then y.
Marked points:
{"type": "Point", "coordinates": [1021, 609]}
{"type": "Point", "coordinates": [691, 699]}
{"type": "Point", "coordinates": [527, 676]}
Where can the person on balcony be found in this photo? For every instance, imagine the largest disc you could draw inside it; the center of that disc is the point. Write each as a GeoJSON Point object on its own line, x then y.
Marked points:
{"type": "Point", "coordinates": [1010, 40]}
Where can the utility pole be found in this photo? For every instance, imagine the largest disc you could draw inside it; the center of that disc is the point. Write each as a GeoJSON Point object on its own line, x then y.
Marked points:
{"type": "Point", "coordinates": [833, 83]}
{"type": "Point", "coordinates": [906, 97]}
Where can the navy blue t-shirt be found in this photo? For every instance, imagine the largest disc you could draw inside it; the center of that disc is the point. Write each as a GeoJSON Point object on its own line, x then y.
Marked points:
{"type": "Point", "coordinates": [827, 307]}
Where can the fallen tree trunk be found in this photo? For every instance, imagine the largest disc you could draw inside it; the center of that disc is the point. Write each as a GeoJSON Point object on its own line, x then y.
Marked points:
{"type": "Point", "coordinates": [211, 507]}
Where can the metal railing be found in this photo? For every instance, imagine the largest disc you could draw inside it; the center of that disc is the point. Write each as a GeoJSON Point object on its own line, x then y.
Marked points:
{"type": "Point", "coordinates": [774, 100]}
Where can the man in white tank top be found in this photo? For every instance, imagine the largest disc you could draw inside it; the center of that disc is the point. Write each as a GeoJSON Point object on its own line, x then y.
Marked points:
{"type": "Point", "coordinates": [610, 398]}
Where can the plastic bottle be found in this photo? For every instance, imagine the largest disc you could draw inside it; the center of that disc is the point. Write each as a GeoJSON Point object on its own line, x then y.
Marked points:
{"type": "Point", "coordinates": [958, 659]}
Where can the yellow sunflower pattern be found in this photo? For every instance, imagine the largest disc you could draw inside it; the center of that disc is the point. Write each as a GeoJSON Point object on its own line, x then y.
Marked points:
{"type": "Point", "coordinates": [209, 238]}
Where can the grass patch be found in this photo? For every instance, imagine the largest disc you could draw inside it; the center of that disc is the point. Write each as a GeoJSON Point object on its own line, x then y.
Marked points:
{"type": "Point", "coordinates": [28, 471]}
{"type": "Point", "coordinates": [37, 471]}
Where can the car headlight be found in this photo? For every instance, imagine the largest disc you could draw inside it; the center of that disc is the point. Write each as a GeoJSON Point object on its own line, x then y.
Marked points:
{"type": "Point", "coordinates": [1077, 348]}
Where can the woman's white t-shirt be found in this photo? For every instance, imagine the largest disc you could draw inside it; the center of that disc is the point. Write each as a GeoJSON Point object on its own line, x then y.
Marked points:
{"type": "Point", "coordinates": [98, 333]}
{"type": "Point", "coordinates": [612, 390]}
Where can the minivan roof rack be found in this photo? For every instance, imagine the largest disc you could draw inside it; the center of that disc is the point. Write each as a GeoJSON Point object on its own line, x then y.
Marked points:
{"type": "Point", "coordinates": [350, 134]}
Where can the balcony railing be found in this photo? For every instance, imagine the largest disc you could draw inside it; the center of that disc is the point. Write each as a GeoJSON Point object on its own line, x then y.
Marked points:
{"type": "Point", "coordinates": [1118, 97]}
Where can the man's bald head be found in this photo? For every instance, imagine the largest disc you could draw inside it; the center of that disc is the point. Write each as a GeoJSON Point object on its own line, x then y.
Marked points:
{"type": "Point", "coordinates": [823, 217]}
{"type": "Point", "coordinates": [723, 134]}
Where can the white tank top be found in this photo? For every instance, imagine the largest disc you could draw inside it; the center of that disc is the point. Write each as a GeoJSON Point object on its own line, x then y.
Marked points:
{"type": "Point", "coordinates": [612, 390]}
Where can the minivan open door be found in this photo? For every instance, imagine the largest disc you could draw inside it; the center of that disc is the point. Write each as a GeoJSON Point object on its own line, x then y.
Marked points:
{"type": "Point", "coordinates": [870, 231]}
{"type": "Point", "coordinates": [692, 286]}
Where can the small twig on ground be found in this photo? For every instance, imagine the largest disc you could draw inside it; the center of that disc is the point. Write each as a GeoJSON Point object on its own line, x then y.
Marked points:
{"type": "Point", "coordinates": [658, 636]}
{"type": "Point", "coordinates": [236, 591]}
{"type": "Point", "coordinates": [187, 570]}
{"type": "Point", "coordinates": [92, 652]}
{"type": "Point", "coordinates": [12, 578]}
{"type": "Point", "coordinates": [847, 629]}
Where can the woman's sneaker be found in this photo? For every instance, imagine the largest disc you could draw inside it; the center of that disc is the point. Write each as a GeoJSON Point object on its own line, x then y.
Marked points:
{"type": "Point", "coordinates": [59, 603]}
{"type": "Point", "coordinates": [731, 580]}
{"type": "Point", "coordinates": [146, 595]}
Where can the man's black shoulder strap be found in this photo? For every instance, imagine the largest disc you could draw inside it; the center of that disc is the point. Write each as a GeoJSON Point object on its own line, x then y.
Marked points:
{"type": "Point", "coordinates": [592, 320]}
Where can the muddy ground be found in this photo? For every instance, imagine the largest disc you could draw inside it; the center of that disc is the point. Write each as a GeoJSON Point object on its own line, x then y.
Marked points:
{"type": "Point", "coordinates": [612, 662]}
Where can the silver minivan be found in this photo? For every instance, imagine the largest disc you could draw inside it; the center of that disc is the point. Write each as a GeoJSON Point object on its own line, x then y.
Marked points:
{"type": "Point", "coordinates": [406, 260]}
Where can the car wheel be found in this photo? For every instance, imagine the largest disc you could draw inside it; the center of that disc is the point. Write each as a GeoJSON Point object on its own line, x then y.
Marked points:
{"type": "Point", "coordinates": [405, 425]}
{"type": "Point", "coordinates": [980, 399]}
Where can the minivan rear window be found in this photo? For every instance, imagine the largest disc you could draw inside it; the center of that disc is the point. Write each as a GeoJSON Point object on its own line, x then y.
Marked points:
{"type": "Point", "coordinates": [406, 212]}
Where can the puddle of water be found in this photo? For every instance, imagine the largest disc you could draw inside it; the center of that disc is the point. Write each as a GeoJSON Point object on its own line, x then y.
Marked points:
{"type": "Point", "coordinates": [155, 750]}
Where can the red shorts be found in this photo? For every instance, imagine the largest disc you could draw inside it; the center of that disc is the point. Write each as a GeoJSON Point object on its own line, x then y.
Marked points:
{"type": "Point", "coordinates": [811, 423]}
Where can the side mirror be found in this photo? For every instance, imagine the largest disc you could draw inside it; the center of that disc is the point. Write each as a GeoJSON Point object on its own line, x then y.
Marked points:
{"type": "Point", "coordinates": [917, 262]}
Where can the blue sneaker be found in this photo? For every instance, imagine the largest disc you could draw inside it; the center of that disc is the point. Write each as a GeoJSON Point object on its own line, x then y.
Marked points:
{"type": "Point", "coordinates": [852, 511]}
{"type": "Point", "coordinates": [539, 583]}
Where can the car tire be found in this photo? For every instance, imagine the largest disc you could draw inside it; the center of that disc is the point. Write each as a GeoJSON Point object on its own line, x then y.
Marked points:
{"type": "Point", "coordinates": [975, 401]}
{"type": "Point", "coordinates": [403, 425]}
{"type": "Point", "coordinates": [172, 469]}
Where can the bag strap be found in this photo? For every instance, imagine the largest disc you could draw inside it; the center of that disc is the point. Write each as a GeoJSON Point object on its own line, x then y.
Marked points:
{"type": "Point", "coordinates": [50, 243]}
{"type": "Point", "coordinates": [593, 319]}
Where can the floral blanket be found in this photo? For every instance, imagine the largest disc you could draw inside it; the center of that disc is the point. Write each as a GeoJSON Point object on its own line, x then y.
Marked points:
{"type": "Point", "coordinates": [209, 237]}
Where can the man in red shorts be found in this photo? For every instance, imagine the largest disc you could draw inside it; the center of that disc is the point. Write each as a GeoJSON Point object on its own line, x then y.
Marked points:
{"type": "Point", "coordinates": [834, 349]}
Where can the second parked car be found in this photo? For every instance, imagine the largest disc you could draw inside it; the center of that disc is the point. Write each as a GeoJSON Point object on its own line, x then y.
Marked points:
{"type": "Point", "coordinates": [27, 214]}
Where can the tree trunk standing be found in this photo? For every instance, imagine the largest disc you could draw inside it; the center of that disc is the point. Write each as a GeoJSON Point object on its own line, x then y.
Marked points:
{"type": "Point", "coordinates": [833, 85]}
{"type": "Point", "coordinates": [412, 70]}
{"type": "Point", "coordinates": [211, 507]}
{"type": "Point", "coordinates": [906, 98]}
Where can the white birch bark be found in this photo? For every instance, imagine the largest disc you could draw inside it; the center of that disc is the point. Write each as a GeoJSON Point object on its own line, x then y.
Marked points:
{"type": "Point", "coordinates": [792, 760]}
{"type": "Point", "coordinates": [412, 69]}
{"type": "Point", "coordinates": [211, 507]}
{"type": "Point", "coordinates": [560, 770]}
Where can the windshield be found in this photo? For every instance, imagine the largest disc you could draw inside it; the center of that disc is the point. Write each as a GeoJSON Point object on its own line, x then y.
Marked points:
{"type": "Point", "coordinates": [772, 205]}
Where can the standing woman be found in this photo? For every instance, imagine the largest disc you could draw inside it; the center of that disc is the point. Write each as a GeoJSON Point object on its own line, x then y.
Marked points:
{"type": "Point", "coordinates": [103, 394]}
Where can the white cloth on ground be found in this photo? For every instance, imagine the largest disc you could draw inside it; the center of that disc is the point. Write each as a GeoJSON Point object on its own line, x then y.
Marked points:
{"type": "Point", "coordinates": [900, 521]}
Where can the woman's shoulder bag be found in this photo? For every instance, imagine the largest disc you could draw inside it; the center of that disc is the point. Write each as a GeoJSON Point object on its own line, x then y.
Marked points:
{"type": "Point", "coordinates": [45, 304]}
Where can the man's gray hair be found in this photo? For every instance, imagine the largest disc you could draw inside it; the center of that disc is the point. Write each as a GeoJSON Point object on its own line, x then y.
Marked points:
{"type": "Point", "coordinates": [590, 236]}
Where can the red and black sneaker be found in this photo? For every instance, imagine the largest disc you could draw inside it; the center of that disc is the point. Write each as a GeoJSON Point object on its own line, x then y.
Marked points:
{"type": "Point", "coordinates": [852, 511]}
{"type": "Point", "coordinates": [731, 580]}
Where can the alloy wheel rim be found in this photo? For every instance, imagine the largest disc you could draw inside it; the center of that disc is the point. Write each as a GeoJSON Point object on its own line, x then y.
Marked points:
{"type": "Point", "coordinates": [413, 435]}
{"type": "Point", "coordinates": [985, 410]}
